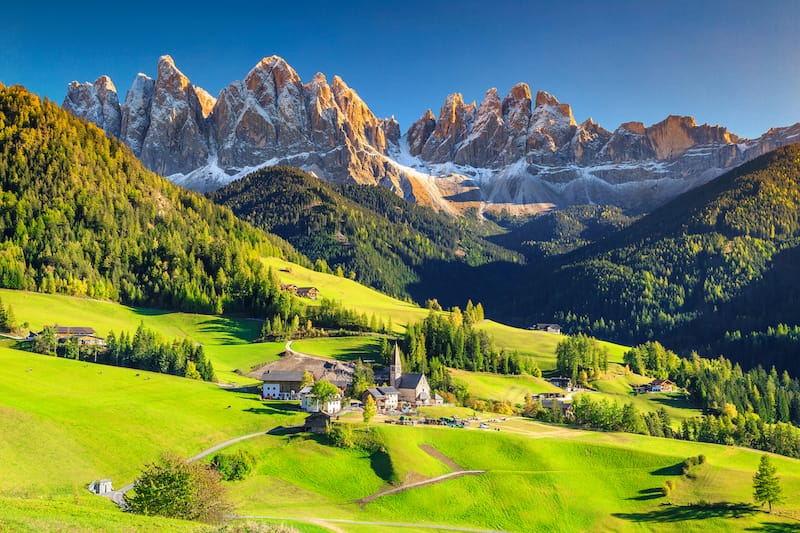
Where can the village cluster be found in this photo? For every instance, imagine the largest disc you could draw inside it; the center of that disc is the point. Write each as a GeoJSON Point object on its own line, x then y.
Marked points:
{"type": "Point", "coordinates": [286, 379]}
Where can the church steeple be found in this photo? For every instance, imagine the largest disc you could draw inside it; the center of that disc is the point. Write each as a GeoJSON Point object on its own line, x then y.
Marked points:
{"type": "Point", "coordinates": [396, 369]}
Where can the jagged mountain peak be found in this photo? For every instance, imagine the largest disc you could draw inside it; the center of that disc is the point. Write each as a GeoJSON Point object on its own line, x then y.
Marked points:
{"type": "Point", "coordinates": [521, 152]}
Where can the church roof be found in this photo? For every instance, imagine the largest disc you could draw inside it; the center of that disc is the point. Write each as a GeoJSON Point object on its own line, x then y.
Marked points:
{"type": "Point", "coordinates": [410, 381]}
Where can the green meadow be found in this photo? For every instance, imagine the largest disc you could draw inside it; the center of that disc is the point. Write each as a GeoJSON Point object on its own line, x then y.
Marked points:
{"type": "Point", "coordinates": [513, 389]}
{"type": "Point", "coordinates": [539, 344]}
{"type": "Point", "coordinates": [553, 480]}
{"type": "Point", "coordinates": [226, 340]}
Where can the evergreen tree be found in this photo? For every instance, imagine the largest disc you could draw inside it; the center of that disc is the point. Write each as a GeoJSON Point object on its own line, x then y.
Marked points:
{"type": "Point", "coordinates": [766, 486]}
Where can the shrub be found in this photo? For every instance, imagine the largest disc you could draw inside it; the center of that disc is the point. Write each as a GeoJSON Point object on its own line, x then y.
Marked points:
{"type": "Point", "coordinates": [234, 467]}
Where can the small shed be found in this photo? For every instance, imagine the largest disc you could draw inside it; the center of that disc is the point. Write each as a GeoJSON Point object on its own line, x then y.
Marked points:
{"type": "Point", "coordinates": [317, 422]}
{"type": "Point", "coordinates": [101, 487]}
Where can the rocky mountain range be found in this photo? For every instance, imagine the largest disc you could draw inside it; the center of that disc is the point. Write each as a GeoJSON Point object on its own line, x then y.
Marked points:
{"type": "Point", "coordinates": [523, 153]}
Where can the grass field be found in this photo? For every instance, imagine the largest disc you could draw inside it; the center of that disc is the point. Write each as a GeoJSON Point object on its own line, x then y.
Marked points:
{"type": "Point", "coordinates": [66, 423]}
{"type": "Point", "coordinates": [539, 344]}
{"type": "Point", "coordinates": [499, 387]}
{"type": "Point", "coordinates": [342, 348]}
{"type": "Point", "coordinates": [548, 479]}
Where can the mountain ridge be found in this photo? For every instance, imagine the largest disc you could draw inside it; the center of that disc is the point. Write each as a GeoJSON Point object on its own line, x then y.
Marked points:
{"type": "Point", "coordinates": [523, 153]}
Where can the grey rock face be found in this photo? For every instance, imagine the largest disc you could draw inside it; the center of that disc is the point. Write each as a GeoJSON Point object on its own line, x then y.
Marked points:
{"type": "Point", "coordinates": [96, 103]}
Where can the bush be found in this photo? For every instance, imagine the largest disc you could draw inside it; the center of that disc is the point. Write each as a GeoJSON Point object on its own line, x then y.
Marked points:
{"type": "Point", "coordinates": [176, 489]}
{"type": "Point", "coordinates": [234, 467]}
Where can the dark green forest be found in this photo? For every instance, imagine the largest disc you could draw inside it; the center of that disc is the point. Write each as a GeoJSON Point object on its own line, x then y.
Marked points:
{"type": "Point", "coordinates": [715, 270]}
{"type": "Point", "coordinates": [80, 215]}
{"type": "Point", "coordinates": [369, 233]}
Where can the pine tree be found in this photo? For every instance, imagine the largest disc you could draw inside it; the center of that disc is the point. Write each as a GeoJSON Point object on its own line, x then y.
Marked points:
{"type": "Point", "coordinates": [766, 486]}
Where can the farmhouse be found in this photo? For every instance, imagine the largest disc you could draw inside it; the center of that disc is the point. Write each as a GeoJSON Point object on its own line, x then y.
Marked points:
{"type": "Point", "coordinates": [561, 382]}
{"type": "Point", "coordinates": [283, 378]}
{"type": "Point", "coordinates": [307, 292]}
{"type": "Point", "coordinates": [282, 384]}
{"type": "Point", "coordinates": [317, 422]}
{"type": "Point", "coordinates": [289, 287]}
{"type": "Point", "coordinates": [386, 398]}
{"type": "Point", "coordinates": [84, 335]}
{"type": "Point", "coordinates": [412, 388]}
{"type": "Point", "coordinates": [549, 328]}
{"type": "Point", "coordinates": [657, 385]}
{"type": "Point", "coordinates": [311, 404]}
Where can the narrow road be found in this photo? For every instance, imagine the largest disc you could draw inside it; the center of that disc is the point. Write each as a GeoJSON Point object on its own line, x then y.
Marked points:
{"type": "Point", "coordinates": [117, 495]}
{"type": "Point", "coordinates": [357, 522]}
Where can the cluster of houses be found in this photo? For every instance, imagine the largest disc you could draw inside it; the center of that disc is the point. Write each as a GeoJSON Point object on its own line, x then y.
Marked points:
{"type": "Point", "coordinates": [285, 379]}
{"type": "Point", "coordinates": [311, 293]}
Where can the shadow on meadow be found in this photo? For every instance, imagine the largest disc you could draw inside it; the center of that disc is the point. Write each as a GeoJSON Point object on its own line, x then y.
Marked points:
{"type": "Point", "coordinates": [776, 527]}
{"type": "Point", "coordinates": [681, 513]}
{"type": "Point", "coordinates": [648, 494]}
{"type": "Point", "coordinates": [672, 470]}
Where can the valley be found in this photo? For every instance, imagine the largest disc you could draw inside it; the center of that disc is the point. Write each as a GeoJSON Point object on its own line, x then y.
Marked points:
{"type": "Point", "coordinates": [286, 304]}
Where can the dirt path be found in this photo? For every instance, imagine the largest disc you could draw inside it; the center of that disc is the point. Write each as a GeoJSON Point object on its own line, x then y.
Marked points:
{"type": "Point", "coordinates": [117, 495]}
{"type": "Point", "coordinates": [320, 521]}
{"type": "Point", "coordinates": [431, 481]}
{"type": "Point", "coordinates": [436, 454]}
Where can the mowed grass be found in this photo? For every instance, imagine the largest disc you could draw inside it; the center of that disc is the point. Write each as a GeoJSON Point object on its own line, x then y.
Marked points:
{"type": "Point", "coordinates": [499, 387]}
{"type": "Point", "coordinates": [66, 423]}
{"type": "Point", "coordinates": [343, 348]}
{"type": "Point", "coordinates": [226, 340]}
{"type": "Point", "coordinates": [352, 295]}
{"type": "Point", "coordinates": [553, 479]}
{"type": "Point", "coordinates": [539, 344]}
{"type": "Point", "coordinates": [82, 514]}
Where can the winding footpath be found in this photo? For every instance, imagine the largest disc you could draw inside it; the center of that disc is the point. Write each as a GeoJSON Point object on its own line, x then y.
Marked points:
{"type": "Point", "coordinates": [117, 496]}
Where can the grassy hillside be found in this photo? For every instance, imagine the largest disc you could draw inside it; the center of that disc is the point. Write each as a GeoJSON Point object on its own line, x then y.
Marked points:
{"type": "Point", "coordinates": [539, 344]}
{"type": "Point", "coordinates": [484, 385]}
{"type": "Point", "coordinates": [555, 479]}
{"type": "Point", "coordinates": [225, 340]}
{"type": "Point", "coordinates": [67, 423]}
{"type": "Point", "coordinates": [351, 294]}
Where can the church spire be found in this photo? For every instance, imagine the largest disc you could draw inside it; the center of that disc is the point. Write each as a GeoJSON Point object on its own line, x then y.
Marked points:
{"type": "Point", "coordinates": [396, 369]}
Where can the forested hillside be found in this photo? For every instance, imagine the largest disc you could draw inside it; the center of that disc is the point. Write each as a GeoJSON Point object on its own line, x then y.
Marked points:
{"type": "Point", "coordinates": [721, 258]}
{"type": "Point", "coordinates": [367, 232]}
{"type": "Point", "coordinates": [80, 215]}
{"type": "Point", "coordinates": [561, 230]}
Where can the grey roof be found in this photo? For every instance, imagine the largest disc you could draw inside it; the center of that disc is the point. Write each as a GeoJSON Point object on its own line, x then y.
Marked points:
{"type": "Point", "coordinates": [388, 390]}
{"type": "Point", "coordinates": [73, 330]}
{"type": "Point", "coordinates": [376, 393]}
{"type": "Point", "coordinates": [282, 375]}
{"type": "Point", "coordinates": [410, 381]}
{"type": "Point", "coordinates": [437, 397]}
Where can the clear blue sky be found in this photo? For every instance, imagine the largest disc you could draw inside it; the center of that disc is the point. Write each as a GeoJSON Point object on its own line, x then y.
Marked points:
{"type": "Point", "coordinates": [735, 63]}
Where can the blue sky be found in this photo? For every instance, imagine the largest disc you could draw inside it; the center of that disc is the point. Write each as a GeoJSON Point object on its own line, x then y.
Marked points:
{"type": "Point", "coordinates": [734, 63]}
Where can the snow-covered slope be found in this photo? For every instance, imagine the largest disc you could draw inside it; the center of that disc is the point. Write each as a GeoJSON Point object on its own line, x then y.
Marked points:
{"type": "Point", "coordinates": [521, 153]}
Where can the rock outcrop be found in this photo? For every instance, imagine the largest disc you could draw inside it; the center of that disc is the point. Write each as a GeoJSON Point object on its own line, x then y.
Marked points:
{"type": "Point", "coordinates": [521, 153]}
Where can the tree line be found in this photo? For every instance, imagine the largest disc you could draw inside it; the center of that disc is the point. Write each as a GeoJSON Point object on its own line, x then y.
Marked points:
{"type": "Point", "coordinates": [144, 350]}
